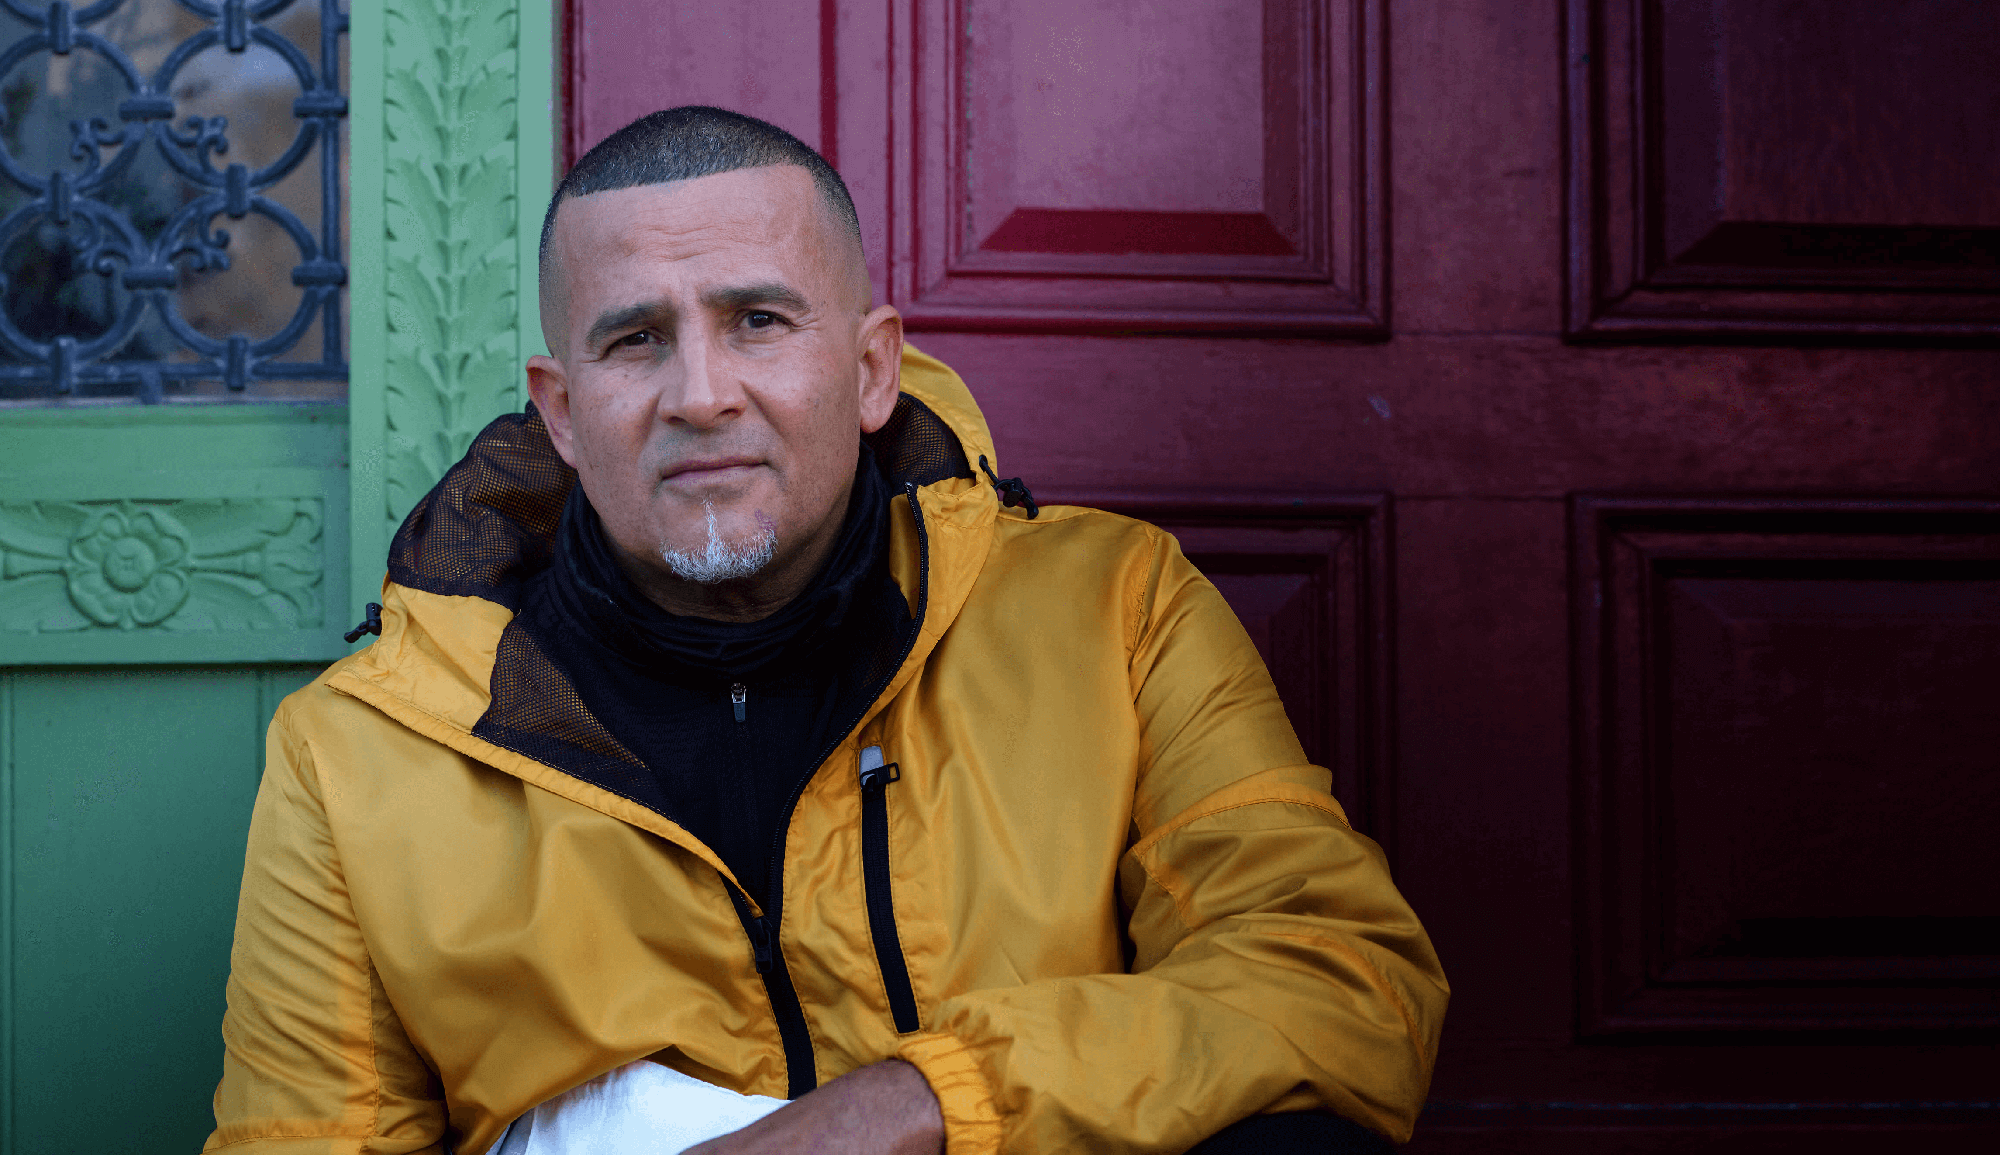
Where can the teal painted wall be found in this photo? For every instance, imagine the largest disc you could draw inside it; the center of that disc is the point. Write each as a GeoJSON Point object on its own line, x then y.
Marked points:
{"type": "Point", "coordinates": [127, 794]}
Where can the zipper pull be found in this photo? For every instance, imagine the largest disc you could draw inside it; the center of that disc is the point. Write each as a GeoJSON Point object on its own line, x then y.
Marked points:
{"type": "Point", "coordinates": [760, 941]}
{"type": "Point", "coordinates": [738, 693]}
{"type": "Point", "coordinates": [873, 772]}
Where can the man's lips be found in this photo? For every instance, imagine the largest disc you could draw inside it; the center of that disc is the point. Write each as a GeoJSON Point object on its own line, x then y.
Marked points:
{"type": "Point", "coordinates": [701, 468]}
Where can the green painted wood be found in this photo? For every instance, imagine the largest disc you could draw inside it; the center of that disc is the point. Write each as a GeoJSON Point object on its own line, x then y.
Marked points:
{"type": "Point", "coordinates": [132, 705]}
{"type": "Point", "coordinates": [9, 879]}
{"type": "Point", "coordinates": [451, 128]}
{"type": "Point", "coordinates": [128, 795]}
{"type": "Point", "coordinates": [368, 312]}
{"type": "Point", "coordinates": [173, 534]}
{"type": "Point", "coordinates": [168, 438]}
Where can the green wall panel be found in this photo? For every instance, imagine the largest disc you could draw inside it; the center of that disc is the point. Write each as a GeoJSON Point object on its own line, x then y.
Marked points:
{"type": "Point", "coordinates": [128, 795]}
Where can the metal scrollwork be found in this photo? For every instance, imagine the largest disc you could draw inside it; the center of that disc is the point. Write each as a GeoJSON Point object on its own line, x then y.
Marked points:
{"type": "Point", "coordinates": [145, 199]}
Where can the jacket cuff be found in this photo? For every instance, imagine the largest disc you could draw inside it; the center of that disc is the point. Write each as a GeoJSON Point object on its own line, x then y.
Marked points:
{"type": "Point", "coordinates": [965, 1098]}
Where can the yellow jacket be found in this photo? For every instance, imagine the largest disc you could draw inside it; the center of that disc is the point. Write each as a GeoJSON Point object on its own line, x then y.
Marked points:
{"type": "Point", "coordinates": [1129, 911]}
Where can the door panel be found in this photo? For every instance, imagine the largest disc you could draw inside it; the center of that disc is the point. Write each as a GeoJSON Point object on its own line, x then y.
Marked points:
{"type": "Point", "coordinates": [1782, 169]}
{"type": "Point", "coordinates": [1068, 170]}
{"type": "Point", "coordinates": [173, 534]}
{"type": "Point", "coordinates": [128, 791]}
{"type": "Point", "coordinates": [1789, 736]}
{"type": "Point", "coordinates": [1654, 275]}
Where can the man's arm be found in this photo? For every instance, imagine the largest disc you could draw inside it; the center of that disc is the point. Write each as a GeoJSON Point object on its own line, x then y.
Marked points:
{"type": "Point", "coordinates": [1276, 969]}
{"type": "Point", "coordinates": [314, 1058]}
{"type": "Point", "coordinates": [883, 1109]}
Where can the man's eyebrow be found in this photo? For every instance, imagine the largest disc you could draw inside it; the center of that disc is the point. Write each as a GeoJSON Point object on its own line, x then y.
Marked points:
{"type": "Point", "coordinates": [630, 317]}
{"type": "Point", "coordinates": [772, 293]}
{"type": "Point", "coordinates": [657, 313]}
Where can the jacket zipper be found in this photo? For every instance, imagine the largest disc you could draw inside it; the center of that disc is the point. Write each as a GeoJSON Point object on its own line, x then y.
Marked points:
{"type": "Point", "coordinates": [763, 931]}
{"type": "Point", "coordinates": [875, 779]}
{"type": "Point", "coordinates": [792, 1033]}
{"type": "Point", "coordinates": [800, 1077]}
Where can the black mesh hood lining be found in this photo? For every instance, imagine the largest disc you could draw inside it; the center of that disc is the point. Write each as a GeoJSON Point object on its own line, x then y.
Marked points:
{"type": "Point", "coordinates": [537, 712]}
{"type": "Point", "coordinates": [542, 703]}
{"type": "Point", "coordinates": [917, 447]}
{"type": "Point", "coordinates": [487, 526]}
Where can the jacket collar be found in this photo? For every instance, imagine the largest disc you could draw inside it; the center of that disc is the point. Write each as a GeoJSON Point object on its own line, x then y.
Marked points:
{"type": "Point", "coordinates": [458, 563]}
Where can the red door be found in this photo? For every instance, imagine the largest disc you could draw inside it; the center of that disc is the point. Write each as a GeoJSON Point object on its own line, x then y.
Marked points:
{"type": "Point", "coordinates": [1592, 408]}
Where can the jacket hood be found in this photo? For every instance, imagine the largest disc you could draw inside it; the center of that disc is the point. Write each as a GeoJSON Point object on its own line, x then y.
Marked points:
{"type": "Point", "coordinates": [450, 654]}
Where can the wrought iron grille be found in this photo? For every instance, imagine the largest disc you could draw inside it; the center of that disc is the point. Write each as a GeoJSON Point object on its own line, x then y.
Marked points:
{"type": "Point", "coordinates": [117, 209]}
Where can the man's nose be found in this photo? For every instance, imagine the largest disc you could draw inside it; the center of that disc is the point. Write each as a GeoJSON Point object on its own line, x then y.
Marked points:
{"type": "Point", "coordinates": [709, 391]}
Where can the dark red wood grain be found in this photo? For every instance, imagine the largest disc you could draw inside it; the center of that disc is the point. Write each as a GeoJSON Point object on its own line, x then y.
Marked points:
{"type": "Point", "coordinates": [1785, 764]}
{"type": "Point", "coordinates": [1131, 232]}
{"type": "Point", "coordinates": [1083, 114]}
{"type": "Point", "coordinates": [1809, 339]}
{"type": "Point", "coordinates": [1812, 171]}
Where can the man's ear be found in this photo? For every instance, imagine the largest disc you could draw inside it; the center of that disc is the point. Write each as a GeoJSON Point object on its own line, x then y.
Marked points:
{"type": "Point", "coordinates": [881, 366]}
{"type": "Point", "coordinates": [548, 386]}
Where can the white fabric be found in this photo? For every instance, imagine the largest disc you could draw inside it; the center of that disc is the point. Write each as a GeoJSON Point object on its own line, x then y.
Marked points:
{"type": "Point", "coordinates": [641, 1108]}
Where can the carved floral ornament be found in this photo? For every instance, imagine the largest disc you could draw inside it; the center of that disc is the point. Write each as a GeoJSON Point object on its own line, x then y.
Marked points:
{"type": "Point", "coordinates": [177, 566]}
{"type": "Point", "coordinates": [128, 567]}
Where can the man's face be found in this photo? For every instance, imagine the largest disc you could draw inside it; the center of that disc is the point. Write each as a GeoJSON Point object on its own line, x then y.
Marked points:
{"type": "Point", "coordinates": [715, 364]}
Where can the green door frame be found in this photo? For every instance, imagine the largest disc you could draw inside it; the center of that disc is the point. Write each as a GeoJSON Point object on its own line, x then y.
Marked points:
{"type": "Point", "coordinates": [251, 535]}
{"type": "Point", "coordinates": [444, 273]}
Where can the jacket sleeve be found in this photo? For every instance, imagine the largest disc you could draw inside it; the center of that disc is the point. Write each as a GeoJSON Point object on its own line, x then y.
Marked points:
{"type": "Point", "coordinates": [315, 1061]}
{"type": "Point", "coordinates": [1276, 967]}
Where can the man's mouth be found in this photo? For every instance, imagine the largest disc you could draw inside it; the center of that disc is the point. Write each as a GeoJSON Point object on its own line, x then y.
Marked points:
{"type": "Point", "coordinates": [701, 470]}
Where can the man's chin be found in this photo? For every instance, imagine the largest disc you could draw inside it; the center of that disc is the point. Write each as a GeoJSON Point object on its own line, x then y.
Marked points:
{"type": "Point", "coordinates": [734, 517]}
{"type": "Point", "coordinates": [721, 547]}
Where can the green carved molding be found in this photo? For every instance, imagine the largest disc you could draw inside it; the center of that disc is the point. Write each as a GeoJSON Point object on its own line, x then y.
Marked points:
{"type": "Point", "coordinates": [188, 566]}
{"type": "Point", "coordinates": [450, 112]}
{"type": "Point", "coordinates": [173, 534]}
{"type": "Point", "coordinates": [452, 164]}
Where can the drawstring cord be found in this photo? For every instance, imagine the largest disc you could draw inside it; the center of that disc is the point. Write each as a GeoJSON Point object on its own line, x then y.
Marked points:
{"type": "Point", "coordinates": [1013, 491]}
{"type": "Point", "coordinates": [372, 624]}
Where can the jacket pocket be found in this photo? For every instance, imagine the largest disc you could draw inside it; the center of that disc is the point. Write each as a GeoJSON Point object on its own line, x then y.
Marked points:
{"type": "Point", "coordinates": [875, 779]}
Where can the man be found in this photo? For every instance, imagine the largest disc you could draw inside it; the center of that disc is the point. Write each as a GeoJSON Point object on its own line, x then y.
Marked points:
{"type": "Point", "coordinates": [783, 745]}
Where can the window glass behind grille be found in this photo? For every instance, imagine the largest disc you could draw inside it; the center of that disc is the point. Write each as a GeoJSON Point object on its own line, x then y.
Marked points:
{"type": "Point", "coordinates": [171, 180]}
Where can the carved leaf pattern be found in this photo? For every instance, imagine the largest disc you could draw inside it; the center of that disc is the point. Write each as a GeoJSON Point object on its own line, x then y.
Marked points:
{"type": "Point", "coordinates": [186, 566]}
{"type": "Point", "coordinates": [449, 116]}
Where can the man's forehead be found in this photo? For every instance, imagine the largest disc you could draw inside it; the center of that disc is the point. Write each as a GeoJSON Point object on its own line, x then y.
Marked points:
{"type": "Point", "coordinates": [773, 205]}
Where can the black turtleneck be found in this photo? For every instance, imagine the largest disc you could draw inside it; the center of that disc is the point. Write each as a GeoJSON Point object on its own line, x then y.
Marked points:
{"type": "Point", "coordinates": [667, 686]}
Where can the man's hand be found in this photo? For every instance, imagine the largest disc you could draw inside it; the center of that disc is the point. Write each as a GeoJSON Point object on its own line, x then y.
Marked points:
{"type": "Point", "coordinates": [884, 1109]}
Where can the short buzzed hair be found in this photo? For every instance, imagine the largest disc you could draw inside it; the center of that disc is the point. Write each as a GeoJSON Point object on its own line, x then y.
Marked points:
{"type": "Point", "coordinates": [688, 142]}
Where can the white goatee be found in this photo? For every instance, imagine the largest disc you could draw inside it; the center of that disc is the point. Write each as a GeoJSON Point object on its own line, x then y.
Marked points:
{"type": "Point", "coordinates": [722, 561]}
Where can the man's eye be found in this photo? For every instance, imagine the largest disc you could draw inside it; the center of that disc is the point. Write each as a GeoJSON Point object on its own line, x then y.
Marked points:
{"type": "Point", "coordinates": [641, 337]}
{"type": "Point", "coordinates": [761, 320]}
